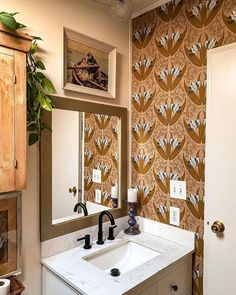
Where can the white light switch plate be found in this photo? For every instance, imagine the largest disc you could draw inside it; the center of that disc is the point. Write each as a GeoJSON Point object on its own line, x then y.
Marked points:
{"type": "Point", "coordinates": [98, 196]}
{"type": "Point", "coordinates": [175, 216]}
{"type": "Point", "coordinates": [97, 176]}
{"type": "Point", "coordinates": [178, 189]}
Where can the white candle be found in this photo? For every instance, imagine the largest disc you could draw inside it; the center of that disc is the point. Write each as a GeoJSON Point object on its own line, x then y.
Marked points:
{"type": "Point", "coordinates": [132, 195]}
{"type": "Point", "coordinates": [114, 192]}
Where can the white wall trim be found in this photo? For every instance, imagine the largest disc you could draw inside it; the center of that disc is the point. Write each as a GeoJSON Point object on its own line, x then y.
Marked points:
{"type": "Point", "coordinates": [130, 104]}
{"type": "Point", "coordinates": [149, 7]}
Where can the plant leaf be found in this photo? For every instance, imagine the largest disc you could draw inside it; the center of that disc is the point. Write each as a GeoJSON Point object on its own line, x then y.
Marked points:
{"type": "Point", "coordinates": [33, 138]}
{"type": "Point", "coordinates": [8, 20]}
{"type": "Point", "coordinates": [20, 26]}
{"type": "Point", "coordinates": [48, 86]}
{"type": "Point", "coordinates": [39, 64]}
{"type": "Point", "coordinates": [40, 76]}
{"type": "Point", "coordinates": [39, 87]}
{"type": "Point", "coordinates": [33, 48]}
{"type": "Point", "coordinates": [48, 98]}
{"type": "Point", "coordinates": [37, 38]}
{"type": "Point", "coordinates": [49, 102]}
{"type": "Point", "coordinates": [43, 100]}
{"type": "Point", "coordinates": [32, 127]}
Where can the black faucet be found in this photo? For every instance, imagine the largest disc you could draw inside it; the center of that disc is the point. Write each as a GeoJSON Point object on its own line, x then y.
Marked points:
{"type": "Point", "coordinates": [83, 207]}
{"type": "Point", "coordinates": [100, 232]}
{"type": "Point", "coordinates": [87, 244]}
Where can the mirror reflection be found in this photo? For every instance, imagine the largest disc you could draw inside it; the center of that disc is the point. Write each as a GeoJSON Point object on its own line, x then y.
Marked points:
{"type": "Point", "coordinates": [85, 164]}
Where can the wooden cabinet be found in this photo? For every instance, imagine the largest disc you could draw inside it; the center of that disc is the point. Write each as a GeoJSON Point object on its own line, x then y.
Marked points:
{"type": "Point", "coordinates": [150, 290]}
{"type": "Point", "coordinates": [175, 282]}
{"type": "Point", "coordinates": [176, 279]}
{"type": "Point", "coordinates": [13, 137]}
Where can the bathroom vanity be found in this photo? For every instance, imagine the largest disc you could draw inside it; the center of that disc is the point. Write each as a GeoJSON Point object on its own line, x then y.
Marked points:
{"type": "Point", "coordinates": [156, 262]}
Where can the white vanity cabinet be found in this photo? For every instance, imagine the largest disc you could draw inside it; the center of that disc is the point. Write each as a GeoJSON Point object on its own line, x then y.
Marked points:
{"type": "Point", "coordinates": [165, 268]}
{"type": "Point", "coordinates": [53, 285]}
{"type": "Point", "coordinates": [174, 280]}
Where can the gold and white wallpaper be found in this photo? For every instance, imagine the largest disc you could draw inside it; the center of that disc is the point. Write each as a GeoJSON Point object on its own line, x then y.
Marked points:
{"type": "Point", "coordinates": [170, 46]}
{"type": "Point", "coordinates": [101, 152]}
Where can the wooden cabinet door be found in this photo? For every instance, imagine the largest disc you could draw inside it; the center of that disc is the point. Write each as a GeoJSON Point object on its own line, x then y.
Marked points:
{"type": "Point", "coordinates": [175, 283]}
{"type": "Point", "coordinates": [12, 120]}
{"type": "Point", "coordinates": [150, 291]}
{"type": "Point", "coordinates": [7, 140]}
{"type": "Point", "coordinates": [20, 120]}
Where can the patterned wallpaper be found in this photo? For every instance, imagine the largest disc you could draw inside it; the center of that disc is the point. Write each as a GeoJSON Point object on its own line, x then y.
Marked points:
{"type": "Point", "coordinates": [170, 47]}
{"type": "Point", "coordinates": [100, 152]}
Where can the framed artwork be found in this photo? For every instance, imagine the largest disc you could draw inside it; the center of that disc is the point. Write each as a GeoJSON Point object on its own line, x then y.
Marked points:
{"type": "Point", "coordinates": [89, 65]}
{"type": "Point", "coordinates": [10, 234]}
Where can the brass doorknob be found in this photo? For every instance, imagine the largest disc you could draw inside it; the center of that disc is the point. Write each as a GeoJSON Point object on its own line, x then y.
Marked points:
{"type": "Point", "coordinates": [73, 190]}
{"type": "Point", "coordinates": [218, 227]}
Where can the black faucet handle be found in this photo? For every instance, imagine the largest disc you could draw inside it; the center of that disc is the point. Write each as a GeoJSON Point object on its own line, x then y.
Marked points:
{"type": "Point", "coordinates": [111, 233]}
{"type": "Point", "coordinates": [87, 244]}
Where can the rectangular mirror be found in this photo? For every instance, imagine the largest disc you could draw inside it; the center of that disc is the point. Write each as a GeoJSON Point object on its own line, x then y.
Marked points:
{"type": "Point", "coordinates": [81, 163]}
{"type": "Point", "coordinates": [83, 144]}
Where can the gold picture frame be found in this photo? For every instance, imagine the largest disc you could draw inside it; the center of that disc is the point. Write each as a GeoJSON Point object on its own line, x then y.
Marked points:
{"type": "Point", "coordinates": [10, 234]}
{"type": "Point", "coordinates": [89, 65]}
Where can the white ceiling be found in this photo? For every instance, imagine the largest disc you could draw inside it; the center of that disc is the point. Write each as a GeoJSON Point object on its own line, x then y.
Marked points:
{"type": "Point", "coordinates": [138, 4]}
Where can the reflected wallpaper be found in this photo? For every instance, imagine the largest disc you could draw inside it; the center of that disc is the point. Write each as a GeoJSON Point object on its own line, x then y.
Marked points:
{"type": "Point", "coordinates": [101, 151]}
{"type": "Point", "coordinates": [170, 47]}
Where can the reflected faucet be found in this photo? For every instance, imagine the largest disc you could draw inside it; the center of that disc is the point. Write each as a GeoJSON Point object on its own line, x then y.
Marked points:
{"type": "Point", "coordinates": [100, 232]}
{"type": "Point", "coordinates": [83, 207]}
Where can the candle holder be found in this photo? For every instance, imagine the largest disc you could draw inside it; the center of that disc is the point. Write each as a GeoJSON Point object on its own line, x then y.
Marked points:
{"type": "Point", "coordinates": [132, 229]}
{"type": "Point", "coordinates": [114, 202]}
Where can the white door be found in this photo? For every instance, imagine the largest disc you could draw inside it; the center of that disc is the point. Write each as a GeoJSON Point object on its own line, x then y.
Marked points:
{"type": "Point", "coordinates": [220, 201]}
{"type": "Point", "coordinates": [66, 163]}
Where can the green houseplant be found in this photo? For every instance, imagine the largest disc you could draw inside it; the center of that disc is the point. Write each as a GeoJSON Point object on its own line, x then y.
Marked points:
{"type": "Point", "coordinates": [39, 87]}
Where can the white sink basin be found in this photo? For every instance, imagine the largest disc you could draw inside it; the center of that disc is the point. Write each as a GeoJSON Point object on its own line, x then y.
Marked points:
{"type": "Point", "coordinates": [124, 256]}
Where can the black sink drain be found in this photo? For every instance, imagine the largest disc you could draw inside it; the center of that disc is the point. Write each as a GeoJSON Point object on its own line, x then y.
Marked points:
{"type": "Point", "coordinates": [115, 272]}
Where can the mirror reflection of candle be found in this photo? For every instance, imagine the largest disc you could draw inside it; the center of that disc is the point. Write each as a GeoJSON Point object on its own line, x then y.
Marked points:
{"type": "Point", "coordinates": [132, 195]}
{"type": "Point", "coordinates": [114, 192]}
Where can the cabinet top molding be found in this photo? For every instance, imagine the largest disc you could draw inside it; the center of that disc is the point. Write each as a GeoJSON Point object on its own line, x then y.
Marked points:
{"type": "Point", "coordinates": [14, 40]}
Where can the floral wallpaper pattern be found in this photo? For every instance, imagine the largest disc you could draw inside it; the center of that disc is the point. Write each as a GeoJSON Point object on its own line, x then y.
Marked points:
{"type": "Point", "coordinates": [170, 47]}
{"type": "Point", "coordinates": [101, 152]}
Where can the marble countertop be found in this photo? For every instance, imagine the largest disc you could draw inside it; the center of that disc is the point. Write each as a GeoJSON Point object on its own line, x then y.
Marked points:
{"type": "Point", "coordinates": [89, 280]}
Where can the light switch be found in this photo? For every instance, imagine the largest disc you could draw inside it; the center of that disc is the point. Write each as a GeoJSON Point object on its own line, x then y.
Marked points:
{"type": "Point", "coordinates": [97, 176]}
{"type": "Point", "coordinates": [175, 216]}
{"type": "Point", "coordinates": [98, 196]}
{"type": "Point", "coordinates": [178, 189]}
